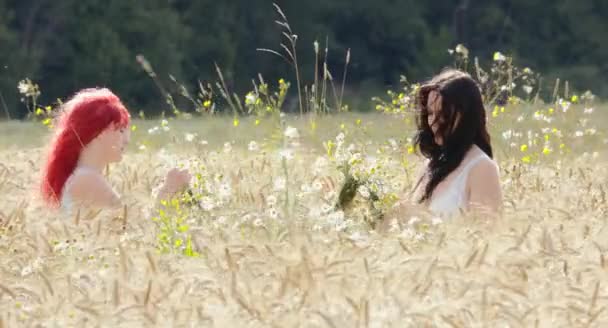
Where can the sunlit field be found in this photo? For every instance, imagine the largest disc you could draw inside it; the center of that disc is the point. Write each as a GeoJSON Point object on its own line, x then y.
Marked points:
{"type": "Point", "coordinates": [260, 242]}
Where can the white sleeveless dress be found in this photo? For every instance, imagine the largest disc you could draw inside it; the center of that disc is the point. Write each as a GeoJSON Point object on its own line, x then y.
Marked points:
{"type": "Point", "coordinates": [454, 198]}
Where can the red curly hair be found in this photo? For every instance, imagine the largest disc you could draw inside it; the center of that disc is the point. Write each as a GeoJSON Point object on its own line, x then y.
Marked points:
{"type": "Point", "coordinates": [88, 113]}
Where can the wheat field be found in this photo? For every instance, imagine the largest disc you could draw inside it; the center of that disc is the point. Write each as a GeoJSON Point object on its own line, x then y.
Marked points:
{"type": "Point", "coordinates": [262, 245]}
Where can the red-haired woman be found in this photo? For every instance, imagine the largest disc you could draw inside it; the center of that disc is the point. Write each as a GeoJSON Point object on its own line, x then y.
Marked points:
{"type": "Point", "coordinates": [93, 131]}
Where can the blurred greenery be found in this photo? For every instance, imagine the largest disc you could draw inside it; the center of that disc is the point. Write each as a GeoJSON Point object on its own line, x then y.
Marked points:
{"type": "Point", "coordinates": [71, 44]}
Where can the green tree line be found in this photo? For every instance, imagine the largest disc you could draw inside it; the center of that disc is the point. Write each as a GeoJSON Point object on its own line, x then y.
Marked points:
{"type": "Point", "coordinates": [70, 44]}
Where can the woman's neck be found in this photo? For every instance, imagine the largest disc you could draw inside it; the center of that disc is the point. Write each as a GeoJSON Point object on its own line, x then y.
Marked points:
{"type": "Point", "coordinates": [90, 160]}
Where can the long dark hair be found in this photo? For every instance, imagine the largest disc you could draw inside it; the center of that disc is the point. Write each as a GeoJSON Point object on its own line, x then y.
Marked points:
{"type": "Point", "coordinates": [460, 97]}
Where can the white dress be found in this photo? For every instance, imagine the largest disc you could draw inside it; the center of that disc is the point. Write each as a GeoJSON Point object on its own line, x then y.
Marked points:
{"type": "Point", "coordinates": [454, 198]}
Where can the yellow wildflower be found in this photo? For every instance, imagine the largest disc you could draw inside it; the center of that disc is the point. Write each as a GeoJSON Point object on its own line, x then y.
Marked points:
{"type": "Point", "coordinates": [313, 125]}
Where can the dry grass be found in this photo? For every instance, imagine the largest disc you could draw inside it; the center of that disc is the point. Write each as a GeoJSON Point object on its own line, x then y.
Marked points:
{"type": "Point", "coordinates": [544, 264]}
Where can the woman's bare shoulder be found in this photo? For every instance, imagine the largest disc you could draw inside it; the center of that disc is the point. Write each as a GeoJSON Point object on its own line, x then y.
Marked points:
{"type": "Point", "coordinates": [484, 168]}
{"type": "Point", "coordinates": [483, 183]}
{"type": "Point", "coordinates": [87, 185]}
{"type": "Point", "coordinates": [91, 187]}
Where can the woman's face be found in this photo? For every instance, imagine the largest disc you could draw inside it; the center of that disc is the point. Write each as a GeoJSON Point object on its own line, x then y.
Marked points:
{"type": "Point", "coordinates": [112, 142]}
{"type": "Point", "coordinates": [435, 118]}
{"type": "Point", "coordinates": [434, 115]}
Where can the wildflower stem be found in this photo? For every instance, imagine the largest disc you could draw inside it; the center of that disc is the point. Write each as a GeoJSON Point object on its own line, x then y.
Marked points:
{"type": "Point", "coordinates": [145, 64]}
{"type": "Point", "coordinates": [324, 89]}
{"type": "Point", "coordinates": [8, 115]}
{"type": "Point", "coordinates": [346, 62]}
{"type": "Point", "coordinates": [295, 64]}
{"type": "Point", "coordinates": [224, 90]}
{"type": "Point", "coordinates": [315, 89]}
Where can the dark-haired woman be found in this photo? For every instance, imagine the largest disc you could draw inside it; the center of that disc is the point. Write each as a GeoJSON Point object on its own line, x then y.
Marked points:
{"type": "Point", "coordinates": [460, 173]}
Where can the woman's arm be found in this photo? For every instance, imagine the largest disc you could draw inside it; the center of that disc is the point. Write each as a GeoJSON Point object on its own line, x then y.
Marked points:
{"type": "Point", "coordinates": [408, 205]}
{"type": "Point", "coordinates": [484, 189]}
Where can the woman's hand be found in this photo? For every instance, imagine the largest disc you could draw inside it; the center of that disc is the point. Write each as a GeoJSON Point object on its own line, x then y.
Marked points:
{"type": "Point", "coordinates": [176, 181]}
